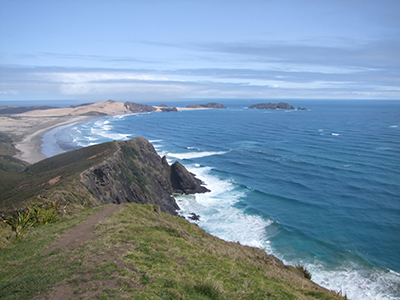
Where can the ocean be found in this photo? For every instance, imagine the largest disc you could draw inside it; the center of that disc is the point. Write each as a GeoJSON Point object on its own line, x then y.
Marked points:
{"type": "Point", "coordinates": [320, 188]}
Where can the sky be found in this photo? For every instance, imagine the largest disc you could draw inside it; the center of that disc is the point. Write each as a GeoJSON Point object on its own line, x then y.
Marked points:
{"type": "Point", "coordinates": [149, 50]}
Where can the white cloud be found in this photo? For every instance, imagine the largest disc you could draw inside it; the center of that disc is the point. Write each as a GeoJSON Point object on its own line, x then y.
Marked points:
{"type": "Point", "coordinates": [86, 77]}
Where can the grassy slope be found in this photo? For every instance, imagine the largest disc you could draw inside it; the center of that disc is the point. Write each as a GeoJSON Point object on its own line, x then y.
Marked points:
{"type": "Point", "coordinates": [140, 254]}
{"type": "Point", "coordinates": [33, 181]}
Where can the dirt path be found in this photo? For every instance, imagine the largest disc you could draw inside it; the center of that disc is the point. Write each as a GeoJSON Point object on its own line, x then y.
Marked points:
{"type": "Point", "coordinates": [83, 232]}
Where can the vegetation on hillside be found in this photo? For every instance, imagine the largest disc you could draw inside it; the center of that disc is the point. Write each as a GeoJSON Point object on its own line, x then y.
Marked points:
{"type": "Point", "coordinates": [139, 253]}
{"type": "Point", "coordinates": [58, 174]}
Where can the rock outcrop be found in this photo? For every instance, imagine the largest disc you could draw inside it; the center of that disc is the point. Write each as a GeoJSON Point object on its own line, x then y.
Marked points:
{"type": "Point", "coordinates": [166, 108]}
{"type": "Point", "coordinates": [138, 108]}
{"type": "Point", "coordinates": [184, 182]}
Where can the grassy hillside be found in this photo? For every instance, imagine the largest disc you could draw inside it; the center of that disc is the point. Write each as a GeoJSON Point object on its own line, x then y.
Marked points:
{"type": "Point", "coordinates": [58, 173]}
{"type": "Point", "coordinates": [138, 253]}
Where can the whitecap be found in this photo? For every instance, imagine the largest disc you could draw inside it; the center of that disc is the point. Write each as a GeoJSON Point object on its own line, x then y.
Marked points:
{"type": "Point", "coordinates": [356, 282]}
{"type": "Point", "coordinates": [393, 126]}
{"type": "Point", "coordinates": [192, 155]}
{"type": "Point", "coordinates": [336, 134]}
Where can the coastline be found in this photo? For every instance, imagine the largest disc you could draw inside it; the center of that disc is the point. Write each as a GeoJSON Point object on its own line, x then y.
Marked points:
{"type": "Point", "coordinates": [27, 133]}
{"type": "Point", "coordinates": [27, 129]}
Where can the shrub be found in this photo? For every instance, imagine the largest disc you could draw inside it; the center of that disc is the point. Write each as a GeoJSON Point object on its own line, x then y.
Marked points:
{"type": "Point", "coordinates": [304, 271]}
{"type": "Point", "coordinates": [19, 222]}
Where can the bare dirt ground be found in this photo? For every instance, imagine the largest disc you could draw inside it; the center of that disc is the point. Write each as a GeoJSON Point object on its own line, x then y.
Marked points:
{"type": "Point", "coordinates": [87, 287]}
{"type": "Point", "coordinates": [83, 232]}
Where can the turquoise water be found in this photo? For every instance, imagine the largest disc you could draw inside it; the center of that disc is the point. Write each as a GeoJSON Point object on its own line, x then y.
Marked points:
{"type": "Point", "coordinates": [318, 187]}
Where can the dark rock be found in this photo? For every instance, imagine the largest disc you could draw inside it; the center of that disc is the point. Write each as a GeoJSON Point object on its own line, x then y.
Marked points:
{"type": "Point", "coordinates": [194, 217]}
{"type": "Point", "coordinates": [138, 108]}
{"type": "Point", "coordinates": [168, 109]}
{"type": "Point", "coordinates": [184, 182]}
{"type": "Point", "coordinates": [299, 108]}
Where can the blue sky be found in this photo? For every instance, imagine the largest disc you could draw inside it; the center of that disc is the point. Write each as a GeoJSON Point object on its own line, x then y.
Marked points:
{"type": "Point", "coordinates": [155, 50]}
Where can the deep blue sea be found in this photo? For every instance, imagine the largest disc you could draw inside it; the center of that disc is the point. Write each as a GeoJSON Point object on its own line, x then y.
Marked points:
{"type": "Point", "coordinates": [319, 188]}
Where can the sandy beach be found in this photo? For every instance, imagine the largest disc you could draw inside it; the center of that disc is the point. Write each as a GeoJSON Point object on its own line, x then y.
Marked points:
{"type": "Point", "coordinates": [27, 133]}
{"type": "Point", "coordinates": [26, 129]}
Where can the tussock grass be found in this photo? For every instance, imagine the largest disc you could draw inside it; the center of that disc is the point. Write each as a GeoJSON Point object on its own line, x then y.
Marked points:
{"type": "Point", "coordinates": [142, 254]}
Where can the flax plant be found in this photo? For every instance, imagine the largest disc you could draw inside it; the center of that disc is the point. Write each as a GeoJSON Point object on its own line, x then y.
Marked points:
{"type": "Point", "coordinates": [19, 222]}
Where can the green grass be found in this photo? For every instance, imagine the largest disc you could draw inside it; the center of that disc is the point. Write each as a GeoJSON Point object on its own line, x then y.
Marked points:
{"type": "Point", "coordinates": [18, 188]}
{"type": "Point", "coordinates": [141, 254]}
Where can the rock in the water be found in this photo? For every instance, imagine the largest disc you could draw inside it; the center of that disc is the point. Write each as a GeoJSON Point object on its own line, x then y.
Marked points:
{"type": "Point", "coordinates": [184, 182]}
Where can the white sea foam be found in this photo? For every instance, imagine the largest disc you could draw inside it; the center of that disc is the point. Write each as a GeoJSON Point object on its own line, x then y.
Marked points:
{"type": "Point", "coordinates": [356, 282]}
{"type": "Point", "coordinates": [219, 216]}
{"type": "Point", "coordinates": [394, 126]}
{"type": "Point", "coordinates": [120, 117]}
{"type": "Point", "coordinates": [105, 132]}
{"type": "Point", "coordinates": [336, 134]}
{"type": "Point", "coordinates": [192, 155]}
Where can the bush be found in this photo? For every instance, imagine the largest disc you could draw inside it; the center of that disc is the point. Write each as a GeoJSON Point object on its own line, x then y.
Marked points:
{"type": "Point", "coordinates": [304, 271]}
{"type": "Point", "coordinates": [19, 222]}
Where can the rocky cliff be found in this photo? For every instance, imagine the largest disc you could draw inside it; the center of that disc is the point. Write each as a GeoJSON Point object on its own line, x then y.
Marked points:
{"type": "Point", "coordinates": [136, 173]}
{"type": "Point", "coordinates": [114, 172]}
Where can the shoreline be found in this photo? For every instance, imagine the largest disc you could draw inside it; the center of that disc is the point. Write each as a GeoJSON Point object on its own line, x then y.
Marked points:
{"type": "Point", "coordinates": [30, 147]}
{"type": "Point", "coordinates": [27, 133]}
{"type": "Point", "coordinates": [27, 129]}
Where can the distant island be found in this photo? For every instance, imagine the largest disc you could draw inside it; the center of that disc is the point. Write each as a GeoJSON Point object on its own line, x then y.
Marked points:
{"type": "Point", "coordinates": [280, 105]}
{"type": "Point", "coordinates": [208, 105]}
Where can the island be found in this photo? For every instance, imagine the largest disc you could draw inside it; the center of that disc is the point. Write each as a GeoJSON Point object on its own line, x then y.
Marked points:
{"type": "Point", "coordinates": [208, 105]}
{"type": "Point", "coordinates": [280, 105]}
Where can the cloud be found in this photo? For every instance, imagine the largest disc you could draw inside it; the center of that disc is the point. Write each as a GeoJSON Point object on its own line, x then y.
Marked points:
{"type": "Point", "coordinates": [238, 70]}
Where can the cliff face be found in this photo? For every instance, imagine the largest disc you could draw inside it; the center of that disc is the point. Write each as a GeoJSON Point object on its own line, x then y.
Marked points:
{"type": "Point", "coordinates": [115, 172]}
{"type": "Point", "coordinates": [136, 173]}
